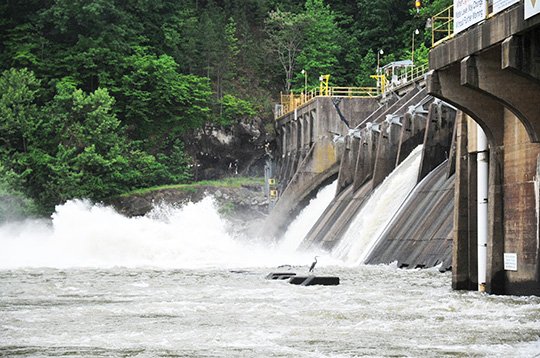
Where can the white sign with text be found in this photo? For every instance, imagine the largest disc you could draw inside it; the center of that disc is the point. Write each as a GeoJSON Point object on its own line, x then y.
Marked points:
{"type": "Point", "coordinates": [532, 7]}
{"type": "Point", "coordinates": [468, 13]}
{"type": "Point", "coordinates": [510, 261]}
{"type": "Point", "coordinates": [500, 5]}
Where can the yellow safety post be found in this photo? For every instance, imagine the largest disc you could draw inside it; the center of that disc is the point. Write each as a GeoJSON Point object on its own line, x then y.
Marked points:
{"type": "Point", "coordinates": [381, 81]}
{"type": "Point", "coordinates": [323, 90]}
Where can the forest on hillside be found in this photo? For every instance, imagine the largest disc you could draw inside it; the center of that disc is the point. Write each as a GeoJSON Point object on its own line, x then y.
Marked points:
{"type": "Point", "coordinates": [97, 97]}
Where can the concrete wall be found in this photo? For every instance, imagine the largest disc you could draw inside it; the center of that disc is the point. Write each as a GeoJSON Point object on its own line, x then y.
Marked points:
{"type": "Point", "coordinates": [492, 73]}
{"type": "Point", "coordinates": [311, 141]}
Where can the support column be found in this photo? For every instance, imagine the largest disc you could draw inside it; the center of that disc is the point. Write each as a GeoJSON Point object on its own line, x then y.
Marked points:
{"type": "Point", "coordinates": [386, 151]}
{"type": "Point", "coordinates": [438, 138]}
{"type": "Point", "coordinates": [365, 161]}
{"type": "Point", "coordinates": [462, 263]}
{"type": "Point", "coordinates": [495, 278]}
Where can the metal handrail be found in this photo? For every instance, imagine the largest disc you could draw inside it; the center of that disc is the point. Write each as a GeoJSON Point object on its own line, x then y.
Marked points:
{"type": "Point", "coordinates": [290, 102]}
{"type": "Point", "coordinates": [360, 92]}
{"type": "Point", "coordinates": [410, 74]}
{"type": "Point", "coordinates": [442, 26]}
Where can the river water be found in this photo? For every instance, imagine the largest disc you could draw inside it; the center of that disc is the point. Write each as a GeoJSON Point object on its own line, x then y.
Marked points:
{"type": "Point", "coordinates": [179, 283]}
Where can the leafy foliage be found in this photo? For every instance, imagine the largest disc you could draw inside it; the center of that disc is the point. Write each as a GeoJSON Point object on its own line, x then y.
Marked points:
{"type": "Point", "coordinates": [235, 108]}
{"type": "Point", "coordinates": [319, 55]}
{"type": "Point", "coordinates": [287, 38]}
{"type": "Point", "coordinates": [74, 146]}
{"type": "Point", "coordinates": [96, 95]}
{"type": "Point", "coordinates": [158, 99]}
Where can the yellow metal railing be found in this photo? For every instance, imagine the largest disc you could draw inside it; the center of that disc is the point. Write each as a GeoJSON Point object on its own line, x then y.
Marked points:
{"type": "Point", "coordinates": [442, 26]}
{"type": "Point", "coordinates": [410, 74]}
{"type": "Point", "coordinates": [362, 92]}
{"type": "Point", "coordinates": [289, 102]}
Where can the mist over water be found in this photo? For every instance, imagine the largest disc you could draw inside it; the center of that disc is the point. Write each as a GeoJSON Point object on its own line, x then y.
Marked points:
{"type": "Point", "coordinates": [82, 234]}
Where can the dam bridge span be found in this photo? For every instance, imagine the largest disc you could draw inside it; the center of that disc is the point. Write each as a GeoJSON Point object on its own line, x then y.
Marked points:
{"type": "Point", "coordinates": [486, 76]}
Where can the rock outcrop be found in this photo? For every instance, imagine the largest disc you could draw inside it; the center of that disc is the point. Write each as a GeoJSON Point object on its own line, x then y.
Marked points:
{"type": "Point", "coordinates": [245, 207]}
{"type": "Point", "coordinates": [219, 151]}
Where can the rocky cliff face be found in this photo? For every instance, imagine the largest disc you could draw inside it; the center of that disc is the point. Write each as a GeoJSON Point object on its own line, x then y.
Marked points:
{"type": "Point", "coordinates": [224, 151]}
{"type": "Point", "coordinates": [218, 152]}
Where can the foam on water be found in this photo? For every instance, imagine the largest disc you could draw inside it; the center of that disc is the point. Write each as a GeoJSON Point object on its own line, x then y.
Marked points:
{"type": "Point", "coordinates": [82, 234]}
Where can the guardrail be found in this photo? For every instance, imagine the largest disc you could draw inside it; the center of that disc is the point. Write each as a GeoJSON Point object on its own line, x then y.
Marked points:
{"type": "Point", "coordinates": [442, 26]}
{"type": "Point", "coordinates": [408, 75]}
{"type": "Point", "coordinates": [289, 102]}
{"type": "Point", "coordinates": [360, 92]}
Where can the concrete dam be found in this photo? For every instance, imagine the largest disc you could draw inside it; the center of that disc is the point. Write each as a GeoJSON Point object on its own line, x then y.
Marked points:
{"type": "Point", "coordinates": [319, 149]}
{"type": "Point", "coordinates": [482, 81]}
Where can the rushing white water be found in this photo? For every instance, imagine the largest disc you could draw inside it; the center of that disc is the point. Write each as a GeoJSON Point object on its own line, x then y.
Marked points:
{"type": "Point", "coordinates": [377, 311]}
{"type": "Point", "coordinates": [81, 234]}
{"type": "Point", "coordinates": [301, 225]}
{"type": "Point", "coordinates": [378, 210]}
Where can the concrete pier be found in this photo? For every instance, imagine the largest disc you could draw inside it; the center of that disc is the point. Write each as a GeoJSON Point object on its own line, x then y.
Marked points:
{"type": "Point", "coordinates": [491, 73]}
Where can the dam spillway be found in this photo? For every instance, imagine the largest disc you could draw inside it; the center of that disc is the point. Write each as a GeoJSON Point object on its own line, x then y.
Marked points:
{"type": "Point", "coordinates": [367, 157]}
{"type": "Point", "coordinates": [483, 78]}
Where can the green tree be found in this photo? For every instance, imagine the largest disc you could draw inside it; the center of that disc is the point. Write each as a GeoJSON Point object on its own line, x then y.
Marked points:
{"type": "Point", "coordinates": [18, 90]}
{"type": "Point", "coordinates": [322, 46]}
{"type": "Point", "coordinates": [74, 146]}
{"type": "Point", "coordinates": [158, 101]}
{"type": "Point", "coordinates": [286, 38]}
{"type": "Point", "coordinates": [235, 109]}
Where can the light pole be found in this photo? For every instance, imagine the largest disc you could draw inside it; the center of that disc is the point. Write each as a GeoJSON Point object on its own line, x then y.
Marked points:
{"type": "Point", "coordinates": [380, 52]}
{"type": "Point", "coordinates": [415, 32]}
{"type": "Point", "coordinates": [304, 72]}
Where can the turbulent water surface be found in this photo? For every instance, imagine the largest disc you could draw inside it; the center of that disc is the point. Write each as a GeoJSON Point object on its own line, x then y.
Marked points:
{"type": "Point", "coordinates": [92, 283]}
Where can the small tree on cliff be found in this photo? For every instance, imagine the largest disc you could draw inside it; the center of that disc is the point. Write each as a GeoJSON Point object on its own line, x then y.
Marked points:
{"type": "Point", "coordinates": [286, 38]}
